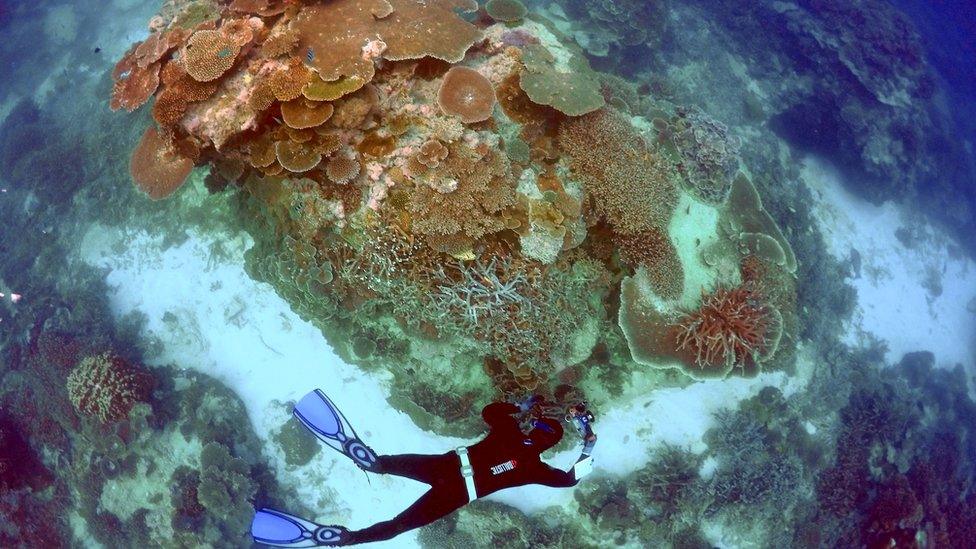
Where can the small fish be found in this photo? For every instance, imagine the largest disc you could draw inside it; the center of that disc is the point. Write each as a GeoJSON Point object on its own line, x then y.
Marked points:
{"type": "Point", "coordinates": [309, 54]}
{"type": "Point", "coordinates": [98, 50]}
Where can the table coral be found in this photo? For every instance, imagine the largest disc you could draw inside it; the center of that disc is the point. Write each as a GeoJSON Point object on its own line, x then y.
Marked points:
{"type": "Point", "coordinates": [156, 166]}
{"type": "Point", "coordinates": [209, 54]}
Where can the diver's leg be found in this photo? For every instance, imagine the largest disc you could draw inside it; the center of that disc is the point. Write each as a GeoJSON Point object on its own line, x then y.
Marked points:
{"type": "Point", "coordinates": [434, 504]}
{"type": "Point", "coordinates": [420, 467]}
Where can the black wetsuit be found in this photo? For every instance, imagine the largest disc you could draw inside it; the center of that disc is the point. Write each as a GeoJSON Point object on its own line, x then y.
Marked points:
{"type": "Point", "coordinates": [505, 442]}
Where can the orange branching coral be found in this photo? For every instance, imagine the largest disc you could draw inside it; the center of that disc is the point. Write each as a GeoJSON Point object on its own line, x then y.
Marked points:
{"type": "Point", "coordinates": [135, 88]}
{"type": "Point", "coordinates": [209, 54]}
{"type": "Point", "coordinates": [464, 196]}
{"type": "Point", "coordinates": [156, 167]}
{"type": "Point", "coordinates": [466, 93]}
{"type": "Point", "coordinates": [630, 186]}
{"type": "Point", "coordinates": [296, 157]}
{"type": "Point", "coordinates": [287, 83]}
{"type": "Point", "coordinates": [730, 327]}
{"type": "Point", "coordinates": [342, 169]}
{"type": "Point", "coordinates": [653, 250]}
{"type": "Point", "coordinates": [301, 113]}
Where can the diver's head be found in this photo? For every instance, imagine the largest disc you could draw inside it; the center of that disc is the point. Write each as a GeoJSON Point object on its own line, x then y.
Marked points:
{"type": "Point", "coordinates": [545, 433]}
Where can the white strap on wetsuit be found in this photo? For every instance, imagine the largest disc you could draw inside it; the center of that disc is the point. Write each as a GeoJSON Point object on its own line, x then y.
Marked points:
{"type": "Point", "coordinates": [467, 472]}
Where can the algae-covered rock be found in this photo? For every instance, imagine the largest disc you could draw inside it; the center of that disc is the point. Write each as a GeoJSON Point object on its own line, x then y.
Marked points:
{"type": "Point", "coordinates": [226, 489]}
{"type": "Point", "coordinates": [296, 442]}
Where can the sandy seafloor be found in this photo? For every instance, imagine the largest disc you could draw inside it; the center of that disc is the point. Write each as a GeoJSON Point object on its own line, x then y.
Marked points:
{"type": "Point", "coordinates": [203, 312]}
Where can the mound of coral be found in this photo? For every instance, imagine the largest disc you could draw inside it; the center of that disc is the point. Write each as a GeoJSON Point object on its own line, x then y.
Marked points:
{"type": "Point", "coordinates": [455, 199]}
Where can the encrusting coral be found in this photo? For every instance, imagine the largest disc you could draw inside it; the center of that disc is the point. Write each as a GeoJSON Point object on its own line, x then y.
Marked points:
{"type": "Point", "coordinates": [391, 202]}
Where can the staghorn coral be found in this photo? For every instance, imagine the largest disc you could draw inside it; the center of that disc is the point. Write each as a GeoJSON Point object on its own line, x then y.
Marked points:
{"type": "Point", "coordinates": [654, 251]}
{"type": "Point", "coordinates": [106, 387]}
{"type": "Point", "coordinates": [631, 187]}
{"type": "Point", "coordinates": [467, 94]}
{"type": "Point", "coordinates": [156, 167]}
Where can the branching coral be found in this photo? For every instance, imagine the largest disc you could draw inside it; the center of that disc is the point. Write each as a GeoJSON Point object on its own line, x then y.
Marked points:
{"type": "Point", "coordinates": [732, 327]}
{"type": "Point", "coordinates": [484, 188]}
{"type": "Point", "coordinates": [654, 251]}
{"type": "Point", "coordinates": [630, 185]}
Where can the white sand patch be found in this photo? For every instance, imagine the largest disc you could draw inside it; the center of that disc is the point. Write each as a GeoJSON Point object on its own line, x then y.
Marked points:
{"type": "Point", "coordinates": [899, 299]}
{"type": "Point", "coordinates": [208, 315]}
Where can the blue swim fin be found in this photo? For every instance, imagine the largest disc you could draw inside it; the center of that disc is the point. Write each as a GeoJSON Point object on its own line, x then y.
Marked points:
{"type": "Point", "coordinates": [272, 527]}
{"type": "Point", "coordinates": [319, 414]}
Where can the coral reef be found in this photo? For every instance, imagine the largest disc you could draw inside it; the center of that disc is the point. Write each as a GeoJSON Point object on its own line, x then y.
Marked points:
{"type": "Point", "coordinates": [107, 387]}
{"type": "Point", "coordinates": [404, 215]}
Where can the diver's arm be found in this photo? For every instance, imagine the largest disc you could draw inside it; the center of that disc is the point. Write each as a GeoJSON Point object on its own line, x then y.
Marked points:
{"type": "Point", "coordinates": [584, 465]}
{"type": "Point", "coordinates": [499, 413]}
{"type": "Point", "coordinates": [557, 478]}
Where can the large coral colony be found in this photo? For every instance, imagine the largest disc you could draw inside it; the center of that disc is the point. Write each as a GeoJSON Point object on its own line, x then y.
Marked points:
{"type": "Point", "coordinates": [454, 174]}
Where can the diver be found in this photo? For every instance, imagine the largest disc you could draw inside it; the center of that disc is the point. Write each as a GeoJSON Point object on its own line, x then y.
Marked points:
{"type": "Point", "coordinates": [505, 458]}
